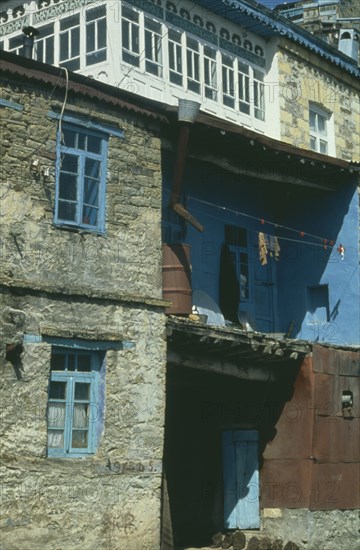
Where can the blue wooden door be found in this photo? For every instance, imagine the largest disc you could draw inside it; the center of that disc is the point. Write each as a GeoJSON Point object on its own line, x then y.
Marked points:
{"type": "Point", "coordinates": [241, 479]}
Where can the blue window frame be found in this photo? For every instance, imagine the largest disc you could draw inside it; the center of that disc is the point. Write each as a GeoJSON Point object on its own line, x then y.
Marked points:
{"type": "Point", "coordinates": [72, 413]}
{"type": "Point", "coordinates": [81, 178]}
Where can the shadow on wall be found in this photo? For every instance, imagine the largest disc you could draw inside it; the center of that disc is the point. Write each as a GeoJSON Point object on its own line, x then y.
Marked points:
{"type": "Point", "coordinates": [302, 291]}
{"type": "Point", "coordinates": [200, 408]}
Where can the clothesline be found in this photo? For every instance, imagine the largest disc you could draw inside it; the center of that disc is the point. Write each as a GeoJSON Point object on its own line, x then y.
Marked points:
{"type": "Point", "coordinates": [326, 242]}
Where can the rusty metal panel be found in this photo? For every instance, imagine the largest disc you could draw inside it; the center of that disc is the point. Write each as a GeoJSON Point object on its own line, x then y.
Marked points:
{"type": "Point", "coordinates": [335, 487]}
{"type": "Point", "coordinates": [335, 361]}
{"type": "Point", "coordinates": [294, 434]}
{"type": "Point", "coordinates": [293, 437]}
{"type": "Point", "coordinates": [285, 484]}
{"type": "Point", "coordinates": [336, 439]}
{"type": "Point", "coordinates": [328, 394]}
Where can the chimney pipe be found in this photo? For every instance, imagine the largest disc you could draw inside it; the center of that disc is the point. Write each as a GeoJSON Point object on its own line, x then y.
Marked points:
{"type": "Point", "coordinates": [28, 40]}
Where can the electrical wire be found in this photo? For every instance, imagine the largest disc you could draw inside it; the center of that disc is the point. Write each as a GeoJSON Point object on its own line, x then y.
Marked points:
{"type": "Point", "coordinates": [64, 102]}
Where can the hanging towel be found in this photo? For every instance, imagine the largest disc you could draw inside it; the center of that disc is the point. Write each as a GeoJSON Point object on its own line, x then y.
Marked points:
{"type": "Point", "coordinates": [274, 247]}
{"type": "Point", "coordinates": [262, 249]}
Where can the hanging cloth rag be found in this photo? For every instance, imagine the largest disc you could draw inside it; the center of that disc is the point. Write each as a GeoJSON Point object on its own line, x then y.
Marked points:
{"type": "Point", "coordinates": [274, 247]}
{"type": "Point", "coordinates": [262, 249]}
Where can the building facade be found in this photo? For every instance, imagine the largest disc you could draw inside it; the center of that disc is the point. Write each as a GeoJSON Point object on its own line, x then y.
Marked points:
{"type": "Point", "coordinates": [257, 199]}
{"type": "Point", "coordinates": [83, 349]}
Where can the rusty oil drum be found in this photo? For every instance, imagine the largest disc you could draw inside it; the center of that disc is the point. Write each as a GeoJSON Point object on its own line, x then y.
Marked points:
{"type": "Point", "coordinates": [177, 278]}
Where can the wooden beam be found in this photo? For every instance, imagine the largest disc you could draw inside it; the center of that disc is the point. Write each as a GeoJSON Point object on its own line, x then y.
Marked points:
{"type": "Point", "coordinates": [244, 372]}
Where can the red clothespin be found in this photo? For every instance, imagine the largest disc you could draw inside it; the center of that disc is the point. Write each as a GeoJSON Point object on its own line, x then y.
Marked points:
{"type": "Point", "coordinates": [302, 234]}
{"type": "Point", "coordinates": [325, 243]}
{"type": "Point", "coordinates": [262, 221]}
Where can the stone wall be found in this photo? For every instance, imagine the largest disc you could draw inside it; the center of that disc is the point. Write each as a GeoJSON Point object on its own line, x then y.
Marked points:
{"type": "Point", "coordinates": [73, 285]}
{"type": "Point", "coordinates": [304, 77]}
{"type": "Point", "coordinates": [37, 253]}
{"type": "Point", "coordinates": [314, 530]}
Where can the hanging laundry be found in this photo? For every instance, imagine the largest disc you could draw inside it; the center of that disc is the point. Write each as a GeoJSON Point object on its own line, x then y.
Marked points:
{"type": "Point", "coordinates": [274, 247]}
{"type": "Point", "coordinates": [341, 251]}
{"type": "Point", "coordinates": [262, 249]}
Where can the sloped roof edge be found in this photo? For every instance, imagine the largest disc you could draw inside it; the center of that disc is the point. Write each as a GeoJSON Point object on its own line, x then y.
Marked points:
{"type": "Point", "coordinates": [267, 23]}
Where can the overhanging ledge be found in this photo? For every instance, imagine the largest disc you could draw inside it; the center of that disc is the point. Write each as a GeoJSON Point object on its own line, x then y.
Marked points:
{"type": "Point", "coordinates": [232, 351]}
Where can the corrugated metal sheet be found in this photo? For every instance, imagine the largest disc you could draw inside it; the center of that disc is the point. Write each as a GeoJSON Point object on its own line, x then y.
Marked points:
{"type": "Point", "coordinates": [320, 452]}
{"type": "Point", "coordinates": [328, 393]}
{"type": "Point", "coordinates": [336, 361]}
{"type": "Point", "coordinates": [335, 487]}
{"type": "Point", "coordinates": [336, 439]}
{"type": "Point", "coordinates": [285, 484]}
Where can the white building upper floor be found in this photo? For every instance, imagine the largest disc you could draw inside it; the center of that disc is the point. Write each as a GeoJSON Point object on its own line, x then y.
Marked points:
{"type": "Point", "coordinates": [159, 49]}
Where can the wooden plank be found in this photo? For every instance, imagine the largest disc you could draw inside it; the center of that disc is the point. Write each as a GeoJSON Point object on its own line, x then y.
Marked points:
{"type": "Point", "coordinates": [245, 372]}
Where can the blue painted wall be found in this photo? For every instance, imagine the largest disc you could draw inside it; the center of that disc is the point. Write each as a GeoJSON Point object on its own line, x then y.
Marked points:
{"type": "Point", "coordinates": [314, 289]}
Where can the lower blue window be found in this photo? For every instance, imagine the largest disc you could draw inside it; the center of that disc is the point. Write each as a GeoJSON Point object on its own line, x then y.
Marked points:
{"type": "Point", "coordinates": [73, 403]}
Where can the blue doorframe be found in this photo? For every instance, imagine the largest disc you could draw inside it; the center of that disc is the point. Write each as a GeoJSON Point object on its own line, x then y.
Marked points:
{"type": "Point", "coordinates": [241, 479]}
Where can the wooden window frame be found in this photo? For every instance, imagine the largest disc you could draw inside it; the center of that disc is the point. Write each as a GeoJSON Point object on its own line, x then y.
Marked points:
{"type": "Point", "coordinates": [82, 157]}
{"type": "Point", "coordinates": [71, 378]}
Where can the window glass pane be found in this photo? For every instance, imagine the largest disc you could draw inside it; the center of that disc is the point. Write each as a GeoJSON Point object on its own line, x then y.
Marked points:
{"type": "Point", "coordinates": [91, 192]}
{"type": "Point", "coordinates": [323, 146]}
{"type": "Point", "coordinates": [64, 46]}
{"type": "Point", "coordinates": [90, 215]}
{"type": "Point", "coordinates": [84, 363]}
{"type": "Point", "coordinates": [57, 390]}
{"type": "Point", "coordinates": [130, 14]}
{"type": "Point", "coordinates": [102, 33]}
{"type": "Point", "coordinates": [243, 68]}
{"type": "Point", "coordinates": [71, 362]}
{"type": "Point", "coordinates": [49, 54]}
{"type": "Point", "coordinates": [75, 42]}
{"type": "Point", "coordinates": [67, 211]}
{"type": "Point", "coordinates": [258, 75]}
{"type": "Point", "coordinates": [126, 34]}
{"type": "Point", "coordinates": [175, 36]}
{"type": "Point", "coordinates": [81, 415]}
{"type": "Point", "coordinates": [55, 439]}
{"type": "Point", "coordinates": [90, 37]}
{"type": "Point", "coordinates": [56, 415]}
{"type": "Point", "coordinates": [69, 137]}
{"type": "Point", "coordinates": [96, 13]}
{"type": "Point", "coordinates": [69, 164]}
{"type": "Point", "coordinates": [58, 361]}
{"type": "Point", "coordinates": [45, 31]}
{"type": "Point", "coordinates": [92, 168]}
{"type": "Point", "coordinates": [79, 439]}
{"type": "Point", "coordinates": [312, 121]}
{"type": "Point", "coordinates": [94, 144]}
{"type": "Point", "coordinates": [135, 39]}
{"type": "Point", "coordinates": [67, 187]}
{"type": "Point", "coordinates": [72, 65]}
{"type": "Point", "coordinates": [82, 391]}
{"type": "Point", "coordinates": [322, 125]}
{"type": "Point", "coordinates": [69, 22]}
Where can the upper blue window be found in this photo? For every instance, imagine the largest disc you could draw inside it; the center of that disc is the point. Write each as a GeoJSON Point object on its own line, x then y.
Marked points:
{"type": "Point", "coordinates": [81, 178]}
{"type": "Point", "coordinates": [73, 402]}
